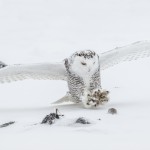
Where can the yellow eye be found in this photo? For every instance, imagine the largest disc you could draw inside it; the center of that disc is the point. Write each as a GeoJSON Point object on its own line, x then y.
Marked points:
{"type": "Point", "coordinates": [83, 63]}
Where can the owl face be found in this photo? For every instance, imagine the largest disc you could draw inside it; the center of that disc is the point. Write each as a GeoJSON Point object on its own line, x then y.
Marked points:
{"type": "Point", "coordinates": [85, 62]}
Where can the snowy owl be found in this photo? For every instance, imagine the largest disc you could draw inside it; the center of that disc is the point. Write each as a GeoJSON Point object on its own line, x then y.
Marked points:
{"type": "Point", "coordinates": [83, 77]}
{"type": "Point", "coordinates": [81, 71]}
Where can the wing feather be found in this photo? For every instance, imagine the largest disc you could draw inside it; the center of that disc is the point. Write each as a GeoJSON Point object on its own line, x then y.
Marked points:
{"type": "Point", "coordinates": [55, 71]}
{"type": "Point", "coordinates": [127, 53]}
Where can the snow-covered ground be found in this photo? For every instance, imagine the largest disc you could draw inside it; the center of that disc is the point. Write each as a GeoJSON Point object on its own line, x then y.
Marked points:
{"type": "Point", "coordinates": [46, 30]}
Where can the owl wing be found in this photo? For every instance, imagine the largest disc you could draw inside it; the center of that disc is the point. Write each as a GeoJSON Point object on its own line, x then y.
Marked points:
{"type": "Point", "coordinates": [126, 53]}
{"type": "Point", "coordinates": [52, 71]}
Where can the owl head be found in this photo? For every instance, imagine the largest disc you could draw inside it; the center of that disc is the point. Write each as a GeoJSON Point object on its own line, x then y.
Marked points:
{"type": "Point", "coordinates": [84, 62]}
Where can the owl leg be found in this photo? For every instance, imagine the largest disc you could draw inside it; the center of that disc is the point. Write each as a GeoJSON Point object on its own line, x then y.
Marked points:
{"type": "Point", "coordinates": [87, 100]}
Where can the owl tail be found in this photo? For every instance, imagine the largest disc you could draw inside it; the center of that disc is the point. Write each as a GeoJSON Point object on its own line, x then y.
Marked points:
{"type": "Point", "coordinates": [66, 99]}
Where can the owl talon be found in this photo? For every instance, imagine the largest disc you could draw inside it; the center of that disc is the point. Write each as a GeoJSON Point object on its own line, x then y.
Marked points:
{"type": "Point", "coordinates": [95, 98]}
{"type": "Point", "coordinates": [101, 96]}
{"type": "Point", "coordinates": [98, 97]}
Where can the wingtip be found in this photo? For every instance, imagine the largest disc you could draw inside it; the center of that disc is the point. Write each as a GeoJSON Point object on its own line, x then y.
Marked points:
{"type": "Point", "coordinates": [2, 64]}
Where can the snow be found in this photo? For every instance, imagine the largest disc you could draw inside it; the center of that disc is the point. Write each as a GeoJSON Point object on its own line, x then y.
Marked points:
{"type": "Point", "coordinates": [41, 31]}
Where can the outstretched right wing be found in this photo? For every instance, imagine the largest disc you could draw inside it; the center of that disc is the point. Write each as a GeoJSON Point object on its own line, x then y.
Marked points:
{"type": "Point", "coordinates": [126, 53]}
{"type": "Point", "coordinates": [51, 71]}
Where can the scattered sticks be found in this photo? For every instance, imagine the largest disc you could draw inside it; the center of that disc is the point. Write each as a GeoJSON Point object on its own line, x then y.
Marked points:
{"type": "Point", "coordinates": [7, 124]}
{"type": "Point", "coordinates": [82, 120]}
{"type": "Point", "coordinates": [50, 119]}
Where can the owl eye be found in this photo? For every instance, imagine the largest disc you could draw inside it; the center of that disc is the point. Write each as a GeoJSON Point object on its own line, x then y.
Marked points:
{"type": "Point", "coordinates": [83, 63]}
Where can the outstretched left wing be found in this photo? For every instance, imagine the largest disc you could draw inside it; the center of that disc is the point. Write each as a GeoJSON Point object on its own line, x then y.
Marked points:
{"type": "Point", "coordinates": [51, 71]}
{"type": "Point", "coordinates": [126, 53]}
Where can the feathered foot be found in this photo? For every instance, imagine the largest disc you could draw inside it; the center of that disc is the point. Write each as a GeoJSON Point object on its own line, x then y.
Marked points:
{"type": "Point", "coordinates": [95, 98]}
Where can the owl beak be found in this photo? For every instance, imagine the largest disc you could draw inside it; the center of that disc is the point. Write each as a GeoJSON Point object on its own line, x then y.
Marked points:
{"type": "Point", "coordinates": [89, 70]}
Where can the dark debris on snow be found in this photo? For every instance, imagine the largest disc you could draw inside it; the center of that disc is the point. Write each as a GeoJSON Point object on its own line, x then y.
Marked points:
{"type": "Point", "coordinates": [7, 124]}
{"type": "Point", "coordinates": [82, 120]}
{"type": "Point", "coordinates": [50, 119]}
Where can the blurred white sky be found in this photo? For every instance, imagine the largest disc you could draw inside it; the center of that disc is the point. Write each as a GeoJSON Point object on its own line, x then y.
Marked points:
{"type": "Point", "coordinates": [44, 28]}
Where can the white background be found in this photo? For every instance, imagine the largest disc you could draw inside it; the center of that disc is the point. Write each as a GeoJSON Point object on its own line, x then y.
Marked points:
{"type": "Point", "coordinates": [46, 30]}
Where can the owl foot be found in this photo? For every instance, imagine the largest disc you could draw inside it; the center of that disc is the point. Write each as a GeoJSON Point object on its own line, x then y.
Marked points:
{"type": "Point", "coordinates": [95, 98]}
{"type": "Point", "coordinates": [101, 96]}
